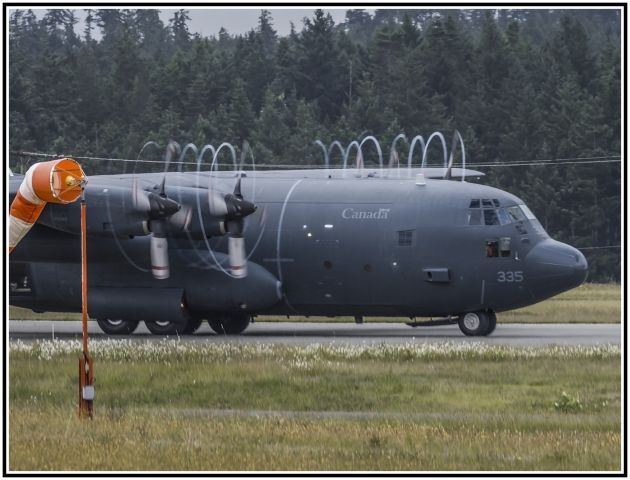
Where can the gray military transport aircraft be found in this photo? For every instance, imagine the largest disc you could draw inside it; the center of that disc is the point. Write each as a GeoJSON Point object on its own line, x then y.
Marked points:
{"type": "Point", "coordinates": [172, 249]}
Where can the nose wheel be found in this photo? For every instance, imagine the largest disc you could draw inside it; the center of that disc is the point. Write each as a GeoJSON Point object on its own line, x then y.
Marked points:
{"type": "Point", "coordinates": [479, 323]}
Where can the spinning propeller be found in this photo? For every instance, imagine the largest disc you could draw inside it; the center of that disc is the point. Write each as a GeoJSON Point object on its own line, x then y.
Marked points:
{"type": "Point", "coordinates": [233, 209]}
{"type": "Point", "coordinates": [164, 215]}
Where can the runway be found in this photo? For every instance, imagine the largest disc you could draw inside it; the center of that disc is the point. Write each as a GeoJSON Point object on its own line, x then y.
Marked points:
{"type": "Point", "coordinates": [292, 333]}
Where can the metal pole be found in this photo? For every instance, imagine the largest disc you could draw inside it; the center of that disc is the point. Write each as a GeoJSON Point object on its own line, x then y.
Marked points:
{"type": "Point", "coordinates": [86, 371]}
{"type": "Point", "coordinates": [84, 273]}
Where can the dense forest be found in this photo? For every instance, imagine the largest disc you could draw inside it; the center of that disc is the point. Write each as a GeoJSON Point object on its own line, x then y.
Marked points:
{"type": "Point", "coordinates": [539, 88]}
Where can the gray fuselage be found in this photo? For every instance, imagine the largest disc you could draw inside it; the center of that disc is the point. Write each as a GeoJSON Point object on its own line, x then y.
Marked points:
{"type": "Point", "coordinates": [316, 246]}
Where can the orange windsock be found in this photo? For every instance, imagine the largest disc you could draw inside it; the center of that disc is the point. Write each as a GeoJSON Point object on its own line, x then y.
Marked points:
{"type": "Point", "coordinates": [55, 181]}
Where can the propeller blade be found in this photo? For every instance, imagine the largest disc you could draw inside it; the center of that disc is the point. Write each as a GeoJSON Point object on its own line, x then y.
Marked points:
{"type": "Point", "coordinates": [233, 208]}
{"type": "Point", "coordinates": [231, 205]}
{"type": "Point", "coordinates": [238, 258]}
{"type": "Point", "coordinates": [447, 174]}
{"type": "Point", "coordinates": [159, 252]}
{"type": "Point", "coordinates": [237, 188]}
{"type": "Point", "coordinates": [236, 248]}
{"type": "Point", "coordinates": [163, 187]}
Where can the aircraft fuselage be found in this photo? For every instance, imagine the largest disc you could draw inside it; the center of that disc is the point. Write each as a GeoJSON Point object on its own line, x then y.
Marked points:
{"type": "Point", "coordinates": [316, 246]}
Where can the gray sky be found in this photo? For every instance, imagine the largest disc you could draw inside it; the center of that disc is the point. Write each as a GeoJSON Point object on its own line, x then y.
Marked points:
{"type": "Point", "coordinates": [208, 21]}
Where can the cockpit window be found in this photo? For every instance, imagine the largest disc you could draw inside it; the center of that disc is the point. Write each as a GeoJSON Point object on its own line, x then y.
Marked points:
{"type": "Point", "coordinates": [516, 214]}
{"type": "Point", "coordinates": [504, 216]}
{"type": "Point", "coordinates": [490, 216]}
{"type": "Point", "coordinates": [474, 217]}
{"type": "Point", "coordinates": [528, 213]}
{"type": "Point", "coordinates": [486, 211]}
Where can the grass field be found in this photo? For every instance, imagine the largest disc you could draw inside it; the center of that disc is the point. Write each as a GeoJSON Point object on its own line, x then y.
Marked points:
{"type": "Point", "coordinates": [201, 406]}
{"type": "Point", "coordinates": [589, 303]}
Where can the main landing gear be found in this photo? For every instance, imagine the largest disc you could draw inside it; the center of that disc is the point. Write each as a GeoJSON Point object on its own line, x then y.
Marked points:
{"type": "Point", "coordinates": [480, 323]}
{"type": "Point", "coordinates": [229, 324]}
{"type": "Point", "coordinates": [174, 328]}
{"type": "Point", "coordinates": [221, 324]}
{"type": "Point", "coordinates": [117, 326]}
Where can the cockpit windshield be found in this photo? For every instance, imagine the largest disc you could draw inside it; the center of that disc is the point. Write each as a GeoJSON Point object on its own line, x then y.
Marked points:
{"type": "Point", "coordinates": [528, 213]}
{"type": "Point", "coordinates": [489, 212]}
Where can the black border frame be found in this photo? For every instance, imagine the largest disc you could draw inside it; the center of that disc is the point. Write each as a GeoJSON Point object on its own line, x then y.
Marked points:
{"type": "Point", "coordinates": [6, 473]}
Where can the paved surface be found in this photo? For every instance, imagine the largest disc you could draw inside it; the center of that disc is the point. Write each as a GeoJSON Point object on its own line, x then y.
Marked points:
{"type": "Point", "coordinates": [307, 333]}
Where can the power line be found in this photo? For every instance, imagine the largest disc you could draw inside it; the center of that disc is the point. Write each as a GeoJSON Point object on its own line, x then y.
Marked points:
{"type": "Point", "coordinates": [542, 162]}
{"type": "Point", "coordinates": [546, 162]}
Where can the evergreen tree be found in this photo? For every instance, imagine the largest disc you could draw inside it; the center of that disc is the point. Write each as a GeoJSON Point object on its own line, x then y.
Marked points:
{"type": "Point", "coordinates": [318, 62]}
{"type": "Point", "coordinates": [520, 85]}
{"type": "Point", "coordinates": [179, 29]}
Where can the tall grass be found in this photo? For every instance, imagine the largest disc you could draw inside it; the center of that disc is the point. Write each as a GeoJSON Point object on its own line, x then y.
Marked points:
{"type": "Point", "coordinates": [203, 406]}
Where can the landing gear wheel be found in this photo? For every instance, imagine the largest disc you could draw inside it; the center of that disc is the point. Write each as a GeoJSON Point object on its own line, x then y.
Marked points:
{"type": "Point", "coordinates": [193, 325]}
{"type": "Point", "coordinates": [492, 324]}
{"type": "Point", "coordinates": [166, 327]}
{"type": "Point", "coordinates": [474, 323]}
{"type": "Point", "coordinates": [229, 325]}
{"type": "Point", "coordinates": [118, 326]}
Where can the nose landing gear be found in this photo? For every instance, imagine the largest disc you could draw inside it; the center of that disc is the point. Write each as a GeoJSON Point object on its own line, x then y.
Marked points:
{"type": "Point", "coordinates": [480, 323]}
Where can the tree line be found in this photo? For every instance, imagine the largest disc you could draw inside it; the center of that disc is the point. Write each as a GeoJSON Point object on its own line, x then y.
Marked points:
{"type": "Point", "coordinates": [520, 85]}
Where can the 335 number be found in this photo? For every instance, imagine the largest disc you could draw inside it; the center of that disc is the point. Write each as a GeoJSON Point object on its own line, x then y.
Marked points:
{"type": "Point", "coordinates": [510, 276]}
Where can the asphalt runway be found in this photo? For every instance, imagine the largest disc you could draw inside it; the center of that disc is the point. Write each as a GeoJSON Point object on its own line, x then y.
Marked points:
{"type": "Point", "coordinates": [293, 333]}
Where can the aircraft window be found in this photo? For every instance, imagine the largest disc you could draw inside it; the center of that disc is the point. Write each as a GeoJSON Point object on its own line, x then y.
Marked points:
{"type": "Point", "coordinates": [405, 238]}
{"type": "Point", "coordinates": [492, 248]}
{"type": "Point", "coordinates": [504, 216]}
{"type": "Point", "coordinates": [516, 214]}
{"type": "Point", "coordinates": [474, 217]}
{"type": "Point", "coordinates": [474, 203]}
{"type": "Point", "coordinates": [528, 213]}
{"type": "Point", "coordinates": [486, 203]}
{"type": "Point", "coordinates": [491, 217]}
{"type": "Point", "coordinates": [496, 202]}
{"type": "Point", "coordinates": [505, 246]}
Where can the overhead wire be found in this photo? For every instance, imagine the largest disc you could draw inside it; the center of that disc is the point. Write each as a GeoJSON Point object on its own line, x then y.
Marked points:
{"type": "Point", "coordinates": [556, 161]}
{"type": "Point", "coordinates": [531, 162]}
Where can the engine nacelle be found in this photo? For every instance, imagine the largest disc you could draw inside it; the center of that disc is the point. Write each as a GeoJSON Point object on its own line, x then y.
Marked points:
{"type": "Point", "coordinates": [111, 211]}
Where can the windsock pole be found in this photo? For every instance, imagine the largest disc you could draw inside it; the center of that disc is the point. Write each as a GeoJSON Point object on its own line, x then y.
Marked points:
{"type": "Point", "coordinates": [86, 367]}
{"type": "Point", "coordinates": [57, 181]}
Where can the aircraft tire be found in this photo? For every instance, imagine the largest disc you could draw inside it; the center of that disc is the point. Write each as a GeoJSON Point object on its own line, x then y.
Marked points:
{"type": "Point", "coordinates": [166, 328]}
{"type": "Point", "coordinates": [229, 324]}
{"type": "Point", "coordinates": [492, 324]}
{"type": "Point", "coordinates": [118, 326]}
{"type": "Point", "coordinates": [474, 323]}
{"type": "Point", "coordinates": [193, 325]}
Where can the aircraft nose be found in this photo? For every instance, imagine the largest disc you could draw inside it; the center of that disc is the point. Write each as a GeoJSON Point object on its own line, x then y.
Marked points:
{"type": "Point", "coordinates": [555, 267]}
